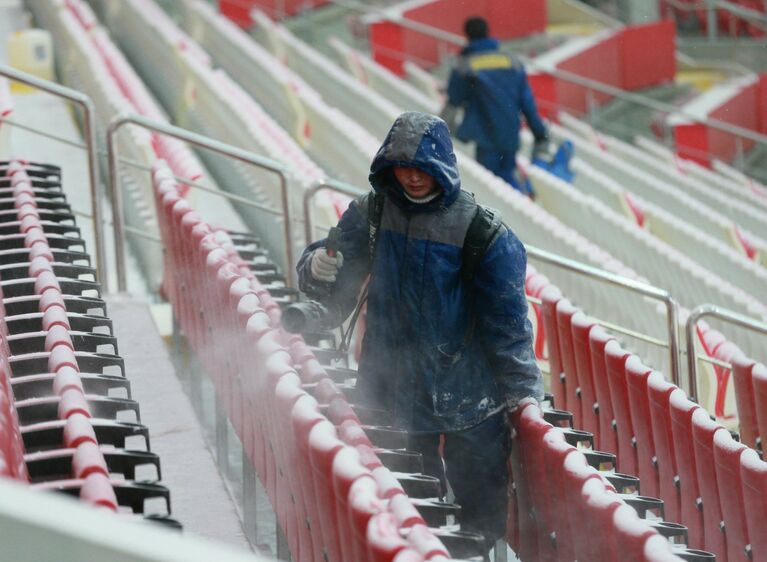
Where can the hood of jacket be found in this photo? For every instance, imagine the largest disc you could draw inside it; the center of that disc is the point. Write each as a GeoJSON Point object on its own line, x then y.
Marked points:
{"type": "Point", "coordinates": [417, 140]}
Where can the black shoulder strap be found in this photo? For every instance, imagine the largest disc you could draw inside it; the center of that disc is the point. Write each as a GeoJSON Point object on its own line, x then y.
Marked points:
{"type": "Point", "coordinates": [375, 211]}
{"type": "Point", "coordinates": [482, 230]}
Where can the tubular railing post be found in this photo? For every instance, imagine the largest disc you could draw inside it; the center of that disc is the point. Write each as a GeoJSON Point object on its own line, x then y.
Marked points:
{"type": "Point", "coordinates": [717, 312]}
{"type": "Point", "coordinates": [630, 284]}
{"type": "Point", "coordinates": [197, 140]}
{"type": "Point", "coordinates": [89, 132]}
{"type": "Point", "coordinates": [331, 185]}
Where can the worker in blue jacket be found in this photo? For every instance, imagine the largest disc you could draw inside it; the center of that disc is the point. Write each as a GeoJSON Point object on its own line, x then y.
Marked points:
{"type": "Point", "coordinates": [445, 355]}
{"type": "Point", "coordinates": [492, 89]}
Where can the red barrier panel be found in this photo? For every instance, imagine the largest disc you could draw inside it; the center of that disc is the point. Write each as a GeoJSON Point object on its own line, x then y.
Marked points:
{"type": "Point", "coordinates": [239, 10]}
{"type": "Point", "coordinates": [647, 55]}
{"type": "Point", "coordinates": [391, 44]}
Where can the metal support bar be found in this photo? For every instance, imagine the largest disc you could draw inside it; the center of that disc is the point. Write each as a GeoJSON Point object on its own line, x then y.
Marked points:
{"type": "Point", "coordinates": [629, 284]}
{"type": "Point", "coordinates": [89, 132]}
{"type": "Point", "coordinates": [197, 140]}
{"type": "Point", "coordinates": [717, 312]}
{"type": "Point", "coordinates": [329, 184]}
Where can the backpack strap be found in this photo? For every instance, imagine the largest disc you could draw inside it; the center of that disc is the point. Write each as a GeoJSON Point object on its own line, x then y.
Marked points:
{"type": "Point", "coordinates": [481, 232]}
{"type": "Point", "coordinates": [375, 212]}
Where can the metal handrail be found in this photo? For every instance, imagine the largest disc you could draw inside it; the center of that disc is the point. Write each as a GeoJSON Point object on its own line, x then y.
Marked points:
{"type": "Point", "coordinates": [89, 132]}
{"type": "Point", "coordinates": [437, 33]}
{"type": "Point", "coordinates": [197, 140]}
{"type": "Point", "coordinates": [636, 286]}
{"type": "Point", "coordinates": [717, 312]}
{"type": "Point", "coordinates": [331, 185]}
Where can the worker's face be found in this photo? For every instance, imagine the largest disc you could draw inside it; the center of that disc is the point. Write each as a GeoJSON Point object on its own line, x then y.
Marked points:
{"type": "Point", "coordinates": [415, 182]}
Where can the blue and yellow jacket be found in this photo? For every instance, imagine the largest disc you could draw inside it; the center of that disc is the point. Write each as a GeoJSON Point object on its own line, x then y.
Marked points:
{"type": "Point", "coordinates": [439, 354]}
{"type": "Point", "coordinates": [493, 90]}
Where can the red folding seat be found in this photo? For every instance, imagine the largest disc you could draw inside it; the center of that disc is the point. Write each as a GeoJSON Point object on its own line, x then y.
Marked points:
{"type": "Point", "coordinates": [744, 398]}
{"type": "Point", "coordinates": [659, 391]}
{"type": "Point", "coordinates": [58, 335]}
{"type": "Point", "coordinates": [383, 538]}
{"type": "Point", "coordinates": [581, 330]}
{"type": "Point", "coordinates": [424, 542]}
{"type": "Point", "coordinates": [681, 410]}
{"type": "Point", "coordinates": [526, 459]}
{"type": "Point", "coordinates": [616, 359]}
{"type": "Point", "coordinates": [631, 534]}
{"type": "Point", "coordinates": [727, 455]}
{"type": "Point", "coordinates": [409, 555]}
{"type": "Point", "coordinates": [607, 439]}
{"type": "Point", "coordinates": [565, 312]}
{"type": "Point", "coordinates": [550, 296]}
{"type": "Point", "coordinates": [305, 415]}
{"type": "Point", "coordinates": [759, 381]}
{"type": "Point", "coordinates": [576, 472]}
{"type": "Point", "coordinates": [753, 474]}
{"type": "Point", "coordinates": [324, 445]}
{"type": "Point", "coordinates": [97, 490]}
{"type": "Point", "coordinates": [287, 392]}
{"type": "Point", "coordinates": [78, 430]}
{"type": "Point", "coordinates": [703, 430]}
{"type": "Point", "coordinates": [658, 549]}
{"type": "Point", "coordinates": [388, 485]}
{"type": "Point", "coordinates": [364, 503]}
{"type": "Point", "coordinates": [555, 450]}
{"type": "Point", "coordinates": [347, 469]}
{"type": "Point", "coordinates": [88, 459]}
{"type": "Point", "coordinates": [639, 407]}
{"type": "Point", "coordinates": [598, 505]}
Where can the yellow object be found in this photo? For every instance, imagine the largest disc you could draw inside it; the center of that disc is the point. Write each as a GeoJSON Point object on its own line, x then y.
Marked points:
{"type": "Point", "coordinates": [701, 80]}
{"type": "Point", "coordinates": [31, 51]}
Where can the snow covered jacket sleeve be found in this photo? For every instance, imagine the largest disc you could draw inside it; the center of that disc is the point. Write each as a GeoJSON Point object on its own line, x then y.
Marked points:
{"type": "Point", "coordinates": [502, 324]}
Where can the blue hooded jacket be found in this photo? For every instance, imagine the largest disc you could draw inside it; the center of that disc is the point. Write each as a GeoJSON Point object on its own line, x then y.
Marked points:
{"type": "Point", "coordinates": [441, 355]}
{"type": "Point", "coordinates": [493, 89]}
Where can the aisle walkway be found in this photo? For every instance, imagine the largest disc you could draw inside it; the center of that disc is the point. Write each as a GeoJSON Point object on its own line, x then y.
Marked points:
{"type": "Point", "coordinates": [199, 498]}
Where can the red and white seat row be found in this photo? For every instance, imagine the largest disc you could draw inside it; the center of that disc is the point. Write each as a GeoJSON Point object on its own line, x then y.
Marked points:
{"type": "Point", "coordinates": [708, 481]}
{"type": "Point", "coordinates": [58, 394]}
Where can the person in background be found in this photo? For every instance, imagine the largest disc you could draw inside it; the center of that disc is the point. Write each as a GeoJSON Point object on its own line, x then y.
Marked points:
{"type": "Point", "coordinates": [492, 89]}
{"type": "Point", "coordinates": [448, 345]}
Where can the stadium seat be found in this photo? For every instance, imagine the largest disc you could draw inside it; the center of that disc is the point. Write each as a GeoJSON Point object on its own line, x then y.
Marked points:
{"type": "Point", "coordinates": [556, 449]}
{"type": "Point", "coordinates": [703, 431]}
{"type": "Point", "coordinates": [550, 296]}
{"type": "Point", "coordinates": [727, 455]}
{"type": "Point", "coordinates": [639, 407]}
{"type": "Point", "coordinates": [581, 330]}
{"type": "Point", "coordinates": [616, 359]}
{"type": "Point", "coordinates": [753, 474]}
{"type": "Point", "coordinates": [383, 538]}
{"type": "Point", "coordinates": [742, 367]}
{"type": "Point", "coordinates": [607, 439]}
{"type": "Point", "coordinates": [565, 312]}
{"type": "Point", "coordinates": [659, 391]}
{"type": "Point", "coordinates": [759, 380]}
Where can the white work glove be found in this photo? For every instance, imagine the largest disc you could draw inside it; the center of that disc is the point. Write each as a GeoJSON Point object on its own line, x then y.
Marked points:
{"type": "Point", "coordinates": [324, 267]}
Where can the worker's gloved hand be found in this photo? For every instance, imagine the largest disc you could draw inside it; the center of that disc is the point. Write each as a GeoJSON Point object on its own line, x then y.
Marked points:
{"type": "Point", "coordinates": [324, 267]}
